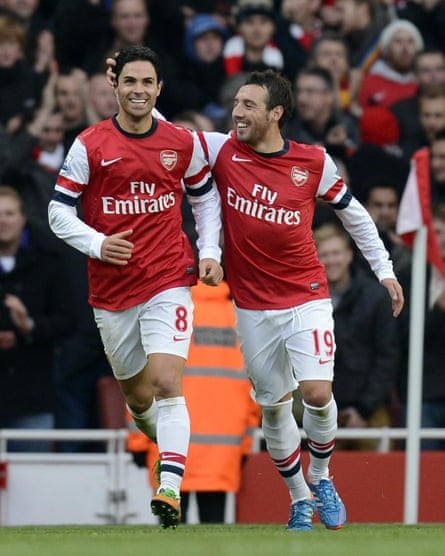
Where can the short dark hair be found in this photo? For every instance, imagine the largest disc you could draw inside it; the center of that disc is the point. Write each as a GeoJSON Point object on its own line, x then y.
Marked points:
{"type": "Point", "coordinates": [327, 36]}
{"type": "Point", "coordinates": [279, 91]}
{"type": "Point", "coordinates": [9, 191]}
{"type": "Point", "coordinates": [135, 54]}
{"type": "Point", "coordinates": [321, 73]}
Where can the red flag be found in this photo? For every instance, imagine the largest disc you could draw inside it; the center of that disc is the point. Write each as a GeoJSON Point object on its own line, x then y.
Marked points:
{"type": "Point", "coordinates": [415, 208]}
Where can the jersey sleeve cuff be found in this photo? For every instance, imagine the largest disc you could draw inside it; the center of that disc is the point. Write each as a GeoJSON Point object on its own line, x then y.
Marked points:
{"type": "Point", "coordinates": [96, 246]}
{"type": "Point", "coordinates": [210, 253]}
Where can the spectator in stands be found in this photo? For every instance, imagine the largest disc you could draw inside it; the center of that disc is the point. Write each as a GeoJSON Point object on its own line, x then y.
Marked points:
{"type": "Point", "coordinates": [433, 383]}
{"type": "Point", "coordinates": [297, 26]}
{"type": "Point", "coordinates": [126, 23]}
{"type": "Point", "coordinates": [20, 84]}
{"type": "Point", "coordinates": [366, 337]}
{"type": "Point", "coordinates": [79, 363]}
{"type": "Point", "coordinates": [432, 113]}
{"type": "Point", "coordinates": [429, 17]}
{"type": "Point", "coordinates": [252, 48]}
{"type": "Point", "coordinates": [318, 119]}
{"type": "Point", "coordinates": [391, 77]}
{"type": "Point", "coordinates": [361, 22]}
{"type": "Point", "coordinates": [101, 100]}
{"type": "Point", "coordinates": [378, 153]}
{"type": "Point", "coordinates": [429, 70]}
{"type": "Point", "coordinates": [37, 154]}
{"type": "Point", "coordinates": [329, 51]}
{"type": "Point", "coordinates": [79, 27]}
{"type": "Point", "coordinates": [39, 43]}
{"type": "Point", "coordinates": [382, 199]}
{"type": "Point", "coordinates": [68, 94]}
{"type": "Point", "coordinates": [205, 37]}
{"type": "Point", "coordinates": [35, 314]}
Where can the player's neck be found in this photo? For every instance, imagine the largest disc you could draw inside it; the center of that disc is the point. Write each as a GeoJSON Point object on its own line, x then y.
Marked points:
{"type": "Point", "coordinates": [271, 143]}
{"type": "Point", "coordinates": [133, 125]}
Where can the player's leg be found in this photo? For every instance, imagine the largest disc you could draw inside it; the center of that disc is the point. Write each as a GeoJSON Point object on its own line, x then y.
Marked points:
{"type": "Point", "coordinates": [312, 349]}
{"type": "Point", "coordinates": [122, 343]}
{"type": "Point", "coordinates": [166, 328]}
{"type": "Point", "coordinates": [269, 368]}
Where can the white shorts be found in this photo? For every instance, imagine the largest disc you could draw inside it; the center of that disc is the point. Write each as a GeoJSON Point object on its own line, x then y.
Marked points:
{"type": "Point", "coordinates": [284, 347]}
{"type": "Point", "coordinates": [161, 325]}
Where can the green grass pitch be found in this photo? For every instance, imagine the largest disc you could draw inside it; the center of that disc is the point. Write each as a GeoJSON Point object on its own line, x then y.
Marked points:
{"type": "Point", "coordinates": [223, 540]}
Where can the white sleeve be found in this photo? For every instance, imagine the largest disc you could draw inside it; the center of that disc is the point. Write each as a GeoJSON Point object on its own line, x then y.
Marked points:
{"type": "Point", "coordinates": [359, 224]}
{"type": "Point", "coordinates": [155, 112]}
{"type": "Point", "coordinates": [65, 223]}
{"type": "Point", "coordinates": [206, 210]}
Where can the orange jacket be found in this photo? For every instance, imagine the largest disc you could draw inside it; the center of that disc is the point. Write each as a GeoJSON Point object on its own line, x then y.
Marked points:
{"type": "Point", "coordinates": [217, 392]}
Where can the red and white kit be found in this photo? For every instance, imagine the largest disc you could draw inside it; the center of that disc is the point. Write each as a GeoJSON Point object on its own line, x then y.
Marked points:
{"type": "Point", "coordinates": [284, 314]}
{"type": "Point", "coordinates": [268, 203]}
{"type": "Point", "coordinates": [129, 181]}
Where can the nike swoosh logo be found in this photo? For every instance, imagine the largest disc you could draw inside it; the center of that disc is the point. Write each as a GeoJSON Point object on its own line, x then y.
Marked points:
{"type": "Point", "coordinates": [108, 162]}
{"type": "Point", "coordinates": [178, 339]}
{"type": "Point", "coordinates": [236, 158]}
{"type": "Point", "coordinates": [324, 361]}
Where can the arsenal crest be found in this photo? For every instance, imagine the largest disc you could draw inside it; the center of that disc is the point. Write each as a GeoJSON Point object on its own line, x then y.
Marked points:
{"type": "Point", "coordinates": [169, 159]}
{"type": "Point", "coordinates": [299, 176]}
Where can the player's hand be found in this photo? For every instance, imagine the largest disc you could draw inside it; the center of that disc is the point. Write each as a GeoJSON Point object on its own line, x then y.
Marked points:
{"type": "Point", "coordinates": [116, 249]}
{"type": "Point", "coordinates": [210, 272]}
{"type": "Point", "coordinates": [396, 293]}
{"type": "Point", "coordinates": [111, 64]}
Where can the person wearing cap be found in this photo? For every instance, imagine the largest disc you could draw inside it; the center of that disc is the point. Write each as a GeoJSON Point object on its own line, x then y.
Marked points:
{"type": "Point", "coordinates": [391, 77]}
{"type": "Point", "coordinates": [252, 48]}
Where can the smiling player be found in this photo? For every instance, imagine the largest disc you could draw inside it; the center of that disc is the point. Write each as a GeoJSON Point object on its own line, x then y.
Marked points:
{"type": "Point", "coordinates": [268, 187]}
{"type": "Point", "coordinates": [128, 173]}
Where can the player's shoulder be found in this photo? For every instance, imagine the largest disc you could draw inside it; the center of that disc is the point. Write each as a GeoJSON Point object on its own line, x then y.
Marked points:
{"type": "Point", "coordinates": [310, 154]}
{"type": "Point", "coordinates": [95, 132]}
{"type": "Point", "coordinates": [316, 151]}
{"type": "Point", "coordinates": [177, 133]}
{"type": "Point", "coordinates": [216, 139]}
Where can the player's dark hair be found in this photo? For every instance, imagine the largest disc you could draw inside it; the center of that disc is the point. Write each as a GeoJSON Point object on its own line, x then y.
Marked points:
{"type": "Point", "coordinates": [136, 54]}
{"type": "Point", "coordinates": [279, 91]}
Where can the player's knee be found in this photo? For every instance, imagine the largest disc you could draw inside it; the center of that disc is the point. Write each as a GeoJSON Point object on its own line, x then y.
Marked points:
{"type": "Point", "coordinates": [316, 394]}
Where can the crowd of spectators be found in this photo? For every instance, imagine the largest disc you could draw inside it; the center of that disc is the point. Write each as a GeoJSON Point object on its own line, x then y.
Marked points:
{"type": "Point", "coordinates": [368, 78]}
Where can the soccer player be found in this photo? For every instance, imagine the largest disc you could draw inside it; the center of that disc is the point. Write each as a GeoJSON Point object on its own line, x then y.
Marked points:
{"type": "Point", "coordinates": [268, 187]}
{"type": "Point", "coordinates": [129, 173]}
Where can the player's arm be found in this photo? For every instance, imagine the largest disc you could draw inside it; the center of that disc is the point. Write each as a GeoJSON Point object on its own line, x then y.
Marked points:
{"type": "Point", "coordinates": [65, 223]}
{"type": "Point", "coordinates": [359, 224]}
{"type": "Point", "coordinates": [206, 207]}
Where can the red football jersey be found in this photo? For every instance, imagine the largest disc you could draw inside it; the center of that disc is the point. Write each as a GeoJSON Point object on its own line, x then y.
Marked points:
{"type": "Point", "coordinates": [129, 181]}
{"type": "Point", "coordinates": [268, 204]}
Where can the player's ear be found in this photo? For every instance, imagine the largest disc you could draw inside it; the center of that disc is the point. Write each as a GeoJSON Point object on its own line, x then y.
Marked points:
{"type": "Point", "coordinates": [277, 113]}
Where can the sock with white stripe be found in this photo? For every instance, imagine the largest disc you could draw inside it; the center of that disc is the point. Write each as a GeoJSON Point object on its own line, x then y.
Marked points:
{"type": "Point", "coordinates": [173, 441]}
{"type": "Point", "coordinates": [320, 425]}
{"type": "Point", "coordinates": [283, 443]}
